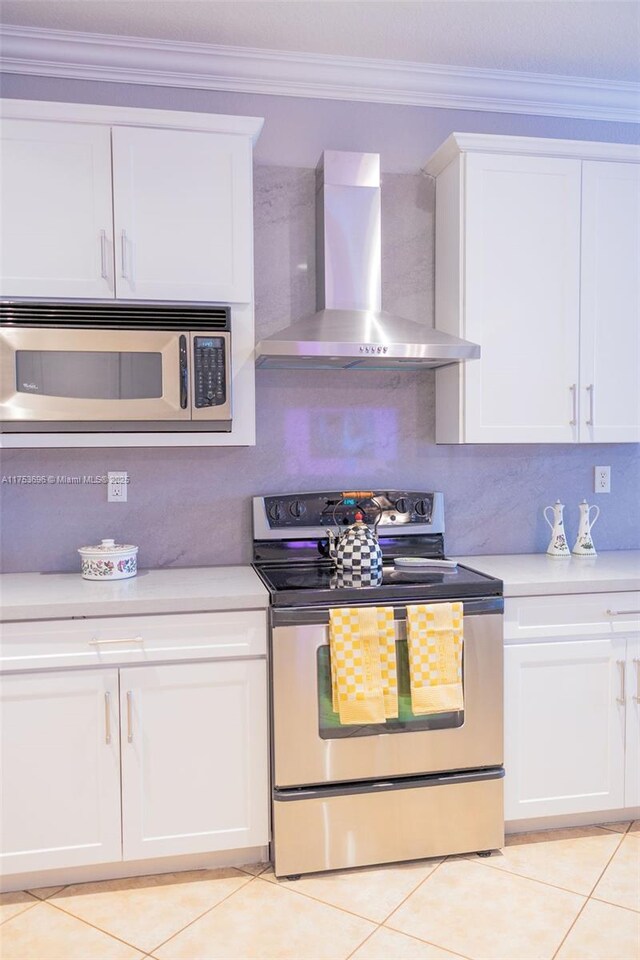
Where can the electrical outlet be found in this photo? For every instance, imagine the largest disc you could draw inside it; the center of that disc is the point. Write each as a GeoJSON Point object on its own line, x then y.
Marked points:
{"type": "Point", "coordinates": [602, 479]}
{"type": "Point", "coordinates": [117, 486]}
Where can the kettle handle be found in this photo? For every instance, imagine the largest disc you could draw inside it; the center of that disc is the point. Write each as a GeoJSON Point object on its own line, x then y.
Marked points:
{"type": "Point", "coordinates": [359, 495]}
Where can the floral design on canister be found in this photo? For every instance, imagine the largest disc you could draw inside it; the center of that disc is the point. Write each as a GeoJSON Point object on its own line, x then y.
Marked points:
{"type": "Point", "coordinates": [109, 561]}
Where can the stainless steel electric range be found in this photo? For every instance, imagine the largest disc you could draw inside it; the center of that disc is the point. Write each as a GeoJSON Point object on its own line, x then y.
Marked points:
{"type": "Point", "coordinates": [412, 787]}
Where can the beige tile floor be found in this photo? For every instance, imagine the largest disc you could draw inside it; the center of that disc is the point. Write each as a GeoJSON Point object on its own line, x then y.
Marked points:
{"type": "Point", "coordinates": [571, 894]}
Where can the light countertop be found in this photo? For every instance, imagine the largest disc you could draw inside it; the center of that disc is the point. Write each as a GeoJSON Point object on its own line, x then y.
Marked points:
{"type": "Point", "coordinates": [45, 596]}
{"type": "Point", "coordinates": [536, 574]}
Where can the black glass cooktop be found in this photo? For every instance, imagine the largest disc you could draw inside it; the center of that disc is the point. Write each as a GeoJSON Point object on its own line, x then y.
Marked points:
{"type": "Point", "coordinates": [319, 583]}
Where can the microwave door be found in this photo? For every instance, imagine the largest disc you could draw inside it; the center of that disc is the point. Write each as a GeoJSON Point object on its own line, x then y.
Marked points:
{"type": "Point", "coordinates": [86, 375]}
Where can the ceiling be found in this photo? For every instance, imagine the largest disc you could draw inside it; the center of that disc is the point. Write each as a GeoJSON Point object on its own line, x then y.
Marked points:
{"type": "Point", "coordinates": [579, 38]}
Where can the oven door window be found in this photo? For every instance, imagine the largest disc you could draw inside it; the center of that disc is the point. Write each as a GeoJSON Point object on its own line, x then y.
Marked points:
{"type": "Point", "coordinates": [330, 728]}
{"type": "Point", "coordinates": [89, 375]}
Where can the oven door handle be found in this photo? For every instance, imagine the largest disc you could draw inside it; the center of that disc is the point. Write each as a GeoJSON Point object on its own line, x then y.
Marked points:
{"type": "Point", "coordinates": [297, 616]}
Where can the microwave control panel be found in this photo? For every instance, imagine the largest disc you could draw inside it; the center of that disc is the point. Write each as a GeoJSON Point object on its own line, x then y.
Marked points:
{"type": "Point", "coordinates": [209, 371]}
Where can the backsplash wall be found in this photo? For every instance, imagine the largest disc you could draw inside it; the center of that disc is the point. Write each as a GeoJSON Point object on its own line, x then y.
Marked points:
{"type": "Point", "coordinates": [316, 430]}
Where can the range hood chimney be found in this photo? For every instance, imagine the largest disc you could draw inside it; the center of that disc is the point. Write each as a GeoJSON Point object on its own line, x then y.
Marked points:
{"type": "Point", "coordinates": [350, 329]}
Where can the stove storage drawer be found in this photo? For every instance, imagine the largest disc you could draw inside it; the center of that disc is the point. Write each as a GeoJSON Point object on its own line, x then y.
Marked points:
{"type": "Point", "coordinates": [425, 817]}
{"type": "Point", "coordinates": [52, 644]}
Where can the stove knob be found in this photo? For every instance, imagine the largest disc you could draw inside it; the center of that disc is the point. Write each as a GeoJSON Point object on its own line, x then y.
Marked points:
{"type": "Point", "coordinates": [422, 508]}
{"type": "Point", "coordinates": [297, 509]}
{"type": "Point", "coordinates": [276, 512]}
{"type": "Point", "coordinates": [402, 505]}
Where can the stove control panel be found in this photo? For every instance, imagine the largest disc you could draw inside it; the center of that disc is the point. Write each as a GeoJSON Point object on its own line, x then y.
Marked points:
{"type": "Point", "coordinates": [394, 508]}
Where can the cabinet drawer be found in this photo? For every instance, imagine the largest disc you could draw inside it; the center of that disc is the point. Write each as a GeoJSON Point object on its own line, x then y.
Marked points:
{"type": "Point", "coordinates": [596, 614]}
{"type": "Point", "coordinates": [113, 640]}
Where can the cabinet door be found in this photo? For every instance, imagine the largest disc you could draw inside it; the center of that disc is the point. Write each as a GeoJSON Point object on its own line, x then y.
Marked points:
{"type": "Point", "coordinates": [522, 286]}
{"type": "Point", "coordinates": [610, 303]}
{"type": "Point", "coordinates": [564, 727]}
{"type": "Point", "coordinates": [194, 758]}
{"type": "Point", "coordinates": [60, 770]}
{"type": "Point", "coordinates": [632, 773]}
{"type": "Point", "coordinates": [183, 215]}
{"type": "Point", "coordinates": [57, 236]}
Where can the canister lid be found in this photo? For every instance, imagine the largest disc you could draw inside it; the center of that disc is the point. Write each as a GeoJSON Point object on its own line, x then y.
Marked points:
{"type": "Point", "coordinates": [107, 548]}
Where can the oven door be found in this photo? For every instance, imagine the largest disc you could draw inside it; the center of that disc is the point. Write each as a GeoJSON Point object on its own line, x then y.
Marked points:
{"type": "Point", "coordinates": [311, 747]}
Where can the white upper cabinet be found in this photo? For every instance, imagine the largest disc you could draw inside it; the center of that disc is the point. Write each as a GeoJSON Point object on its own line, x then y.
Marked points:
{"type": "Point", "coordinates": [537, 261]}
{"type": "Point", "coordinates": [103, 202]}
{"type": "Point", "coordinates": [183, 215]}
{"type": "Point", "coordinates": [57, 233]}
{"type": "Point", "coordinates": [522, 223]}
{"type": "Point", "coordinates": [610, 302]}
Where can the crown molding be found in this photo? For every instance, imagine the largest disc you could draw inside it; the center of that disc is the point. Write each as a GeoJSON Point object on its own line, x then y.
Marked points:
{"type": "Point", "coordinates": [86, 56]}
{"type": "Point", "coordinates": [12, 109]}
{"type": "Point", "coordinates": [458, 143]}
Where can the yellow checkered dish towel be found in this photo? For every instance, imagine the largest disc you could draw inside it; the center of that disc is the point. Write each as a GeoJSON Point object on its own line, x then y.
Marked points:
{"type": "Point", "coordinates": [364, 681]}
{"type": "Point", "coordinates": [434, 642]}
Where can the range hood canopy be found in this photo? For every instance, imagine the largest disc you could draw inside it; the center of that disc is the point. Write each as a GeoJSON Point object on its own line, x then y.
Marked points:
{"type": "Point", "coordinates": [350, 329]}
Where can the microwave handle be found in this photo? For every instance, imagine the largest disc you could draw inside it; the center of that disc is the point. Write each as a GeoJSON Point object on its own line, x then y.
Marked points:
{"type": "Point", "coordinates": [184, 374]}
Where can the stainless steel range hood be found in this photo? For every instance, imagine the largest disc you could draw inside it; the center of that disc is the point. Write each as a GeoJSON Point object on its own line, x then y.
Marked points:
{"type": "Point", "coordinates": [350, 329]}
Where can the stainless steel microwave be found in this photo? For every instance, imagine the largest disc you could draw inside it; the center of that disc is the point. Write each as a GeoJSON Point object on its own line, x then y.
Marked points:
{"type": "Point", "coordinates": [97, 367]}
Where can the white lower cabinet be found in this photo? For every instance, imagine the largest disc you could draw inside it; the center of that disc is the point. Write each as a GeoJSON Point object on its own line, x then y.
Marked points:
{"type": "Point", "coordinates": [194, 758]}
{"type": "Point", "coordinates": [132, 759]}
{"type": "Point", "coordinates": [565, 727]}
{"type": "Point", "coordinates": [60, 794]}
{"type": "Point", "coordinates": [632, 781]}
{"type": "Point", "coordinates": [572, 705]}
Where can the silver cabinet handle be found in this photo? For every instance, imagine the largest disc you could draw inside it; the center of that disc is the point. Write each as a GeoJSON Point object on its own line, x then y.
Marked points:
{"type": "Point", "coordinates": [574, 394]}
{"type": "Point", "coordinates": [104, 643]}
{"type": "Point", "coordinates": [103, 255]}
{"type": "Point", "coordinates": [620, 613]}
{"type": "Point", "coordinates": [107, 717]}
{"type": "Point", "coordinates": [622, 698]}
{"type": "Point", "coordinates": [129, 717]}
{"type": "Point", "coordinates": [637, 696]}
{"type": "Point", "coordinates": [124, 273]}
{"type": "Point", "coordinates": [591, 391]}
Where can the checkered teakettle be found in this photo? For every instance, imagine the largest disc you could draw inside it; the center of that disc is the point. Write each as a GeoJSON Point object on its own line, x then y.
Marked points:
{"type": "Point", "coordinates": [356, 549]}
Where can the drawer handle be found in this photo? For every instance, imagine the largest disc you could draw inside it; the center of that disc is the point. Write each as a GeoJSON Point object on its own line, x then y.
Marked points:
{"type": "Point", "coordinates": [637, 696]}
{"type": "Point", "coordinates": [107, 717]}
{"type": "Point", "coordinates": [129, 717]}
{"type": "Point", "coordinates": [622, 698]}
{"type": "Point", "coordinates": [102, 643]}
{"type": "Point", "coordinates": [620, 613]}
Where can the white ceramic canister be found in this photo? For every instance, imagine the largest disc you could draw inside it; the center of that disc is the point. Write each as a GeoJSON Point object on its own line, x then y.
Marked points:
{"type": "Point", "coordinates": [109, 561]}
